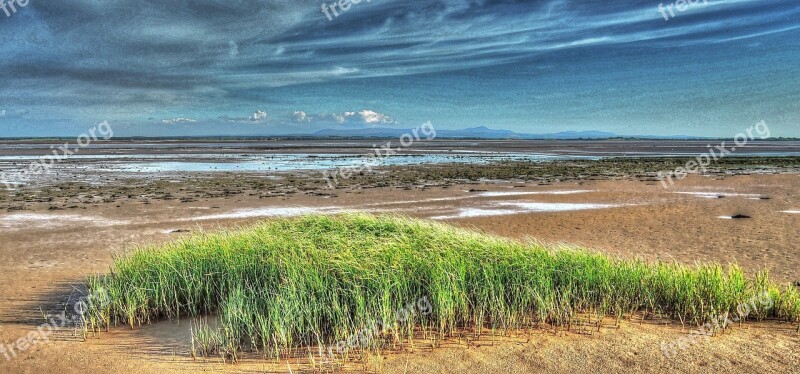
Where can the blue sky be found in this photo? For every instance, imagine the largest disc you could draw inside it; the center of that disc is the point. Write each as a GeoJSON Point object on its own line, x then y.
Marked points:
{"type": "Point", "coordinates": [228, 67]}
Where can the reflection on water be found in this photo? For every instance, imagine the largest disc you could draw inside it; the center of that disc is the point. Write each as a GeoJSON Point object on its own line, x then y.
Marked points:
{"type": "Point", "coordinates": [262, 162]}
{"type": "Point", "coordinates": [243, 162]}
{"type": "Point", "coordinates": [521, 207]}
{"type": "Point", "coordinates": [270, 212]}
{"type": "Point", "coordinates": [52, 220]}
{"type": "Point", "coordinates": [523, 193]}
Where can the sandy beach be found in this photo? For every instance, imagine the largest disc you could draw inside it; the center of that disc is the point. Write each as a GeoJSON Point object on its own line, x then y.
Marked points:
{"type": "Point", "coordinates": [46, 252]}
{"type": "Point", "coordinates": [443, 186]}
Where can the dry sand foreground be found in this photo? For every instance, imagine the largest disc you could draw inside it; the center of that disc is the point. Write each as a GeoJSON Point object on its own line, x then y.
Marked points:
{"type": "Point", "coordinates": [43, 254]}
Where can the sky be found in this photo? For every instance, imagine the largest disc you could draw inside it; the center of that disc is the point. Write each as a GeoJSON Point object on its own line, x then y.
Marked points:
{"type": "Point", "coordinates": [236, 67]}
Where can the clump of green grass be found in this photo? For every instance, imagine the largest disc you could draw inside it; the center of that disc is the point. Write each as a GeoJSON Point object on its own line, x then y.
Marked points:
{"type": "Point", "coordinates": [291, 284]}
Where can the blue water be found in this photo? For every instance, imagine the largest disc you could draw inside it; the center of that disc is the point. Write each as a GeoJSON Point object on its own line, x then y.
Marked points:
{"type": "Point", "coordinates": [234, 162]}
{"type": "Point", "coordinates": [289, 162]}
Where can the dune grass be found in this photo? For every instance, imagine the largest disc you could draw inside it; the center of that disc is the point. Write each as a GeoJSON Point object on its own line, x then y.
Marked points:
{"type": "Point", "coordinates": [316, 280]}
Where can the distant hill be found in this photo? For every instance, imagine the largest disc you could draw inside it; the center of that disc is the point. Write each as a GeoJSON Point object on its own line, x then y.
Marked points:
{"type": "Point", "coordinates": [481, 132]}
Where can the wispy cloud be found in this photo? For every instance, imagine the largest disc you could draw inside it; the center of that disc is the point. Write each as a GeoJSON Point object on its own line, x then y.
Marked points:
{"type": "Point", "coordinates": [208, 56]}
{"type": "Point", "coordinates": [9, 114]}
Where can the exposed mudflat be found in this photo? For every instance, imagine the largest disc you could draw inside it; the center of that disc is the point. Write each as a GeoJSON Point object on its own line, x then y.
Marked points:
{"type": "Point", "coordinates": [52, 235]}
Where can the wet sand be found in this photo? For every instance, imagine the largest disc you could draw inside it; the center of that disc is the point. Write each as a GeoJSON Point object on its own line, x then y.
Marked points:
{"type": "Point", "coordinates": [45, 252]}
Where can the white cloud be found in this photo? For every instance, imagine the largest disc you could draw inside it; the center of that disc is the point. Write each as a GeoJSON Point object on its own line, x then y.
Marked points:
{"type": "Point", "coordinates": [177, 120]}
{"type": "Point", "coordinates": [258, 116]}
{"type": "Point", "coordinates": [301, 116]}
{"type": "Point", "coordinates": [343, 117]}
{"type": "Point", "coordinates": [363, 117]}
{"type": "Point", "coordinates": [373, 117]}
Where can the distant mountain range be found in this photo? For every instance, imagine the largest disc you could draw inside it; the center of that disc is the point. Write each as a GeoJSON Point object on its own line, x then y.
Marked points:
{"type": "Point", "coordinates": [483, 132]}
